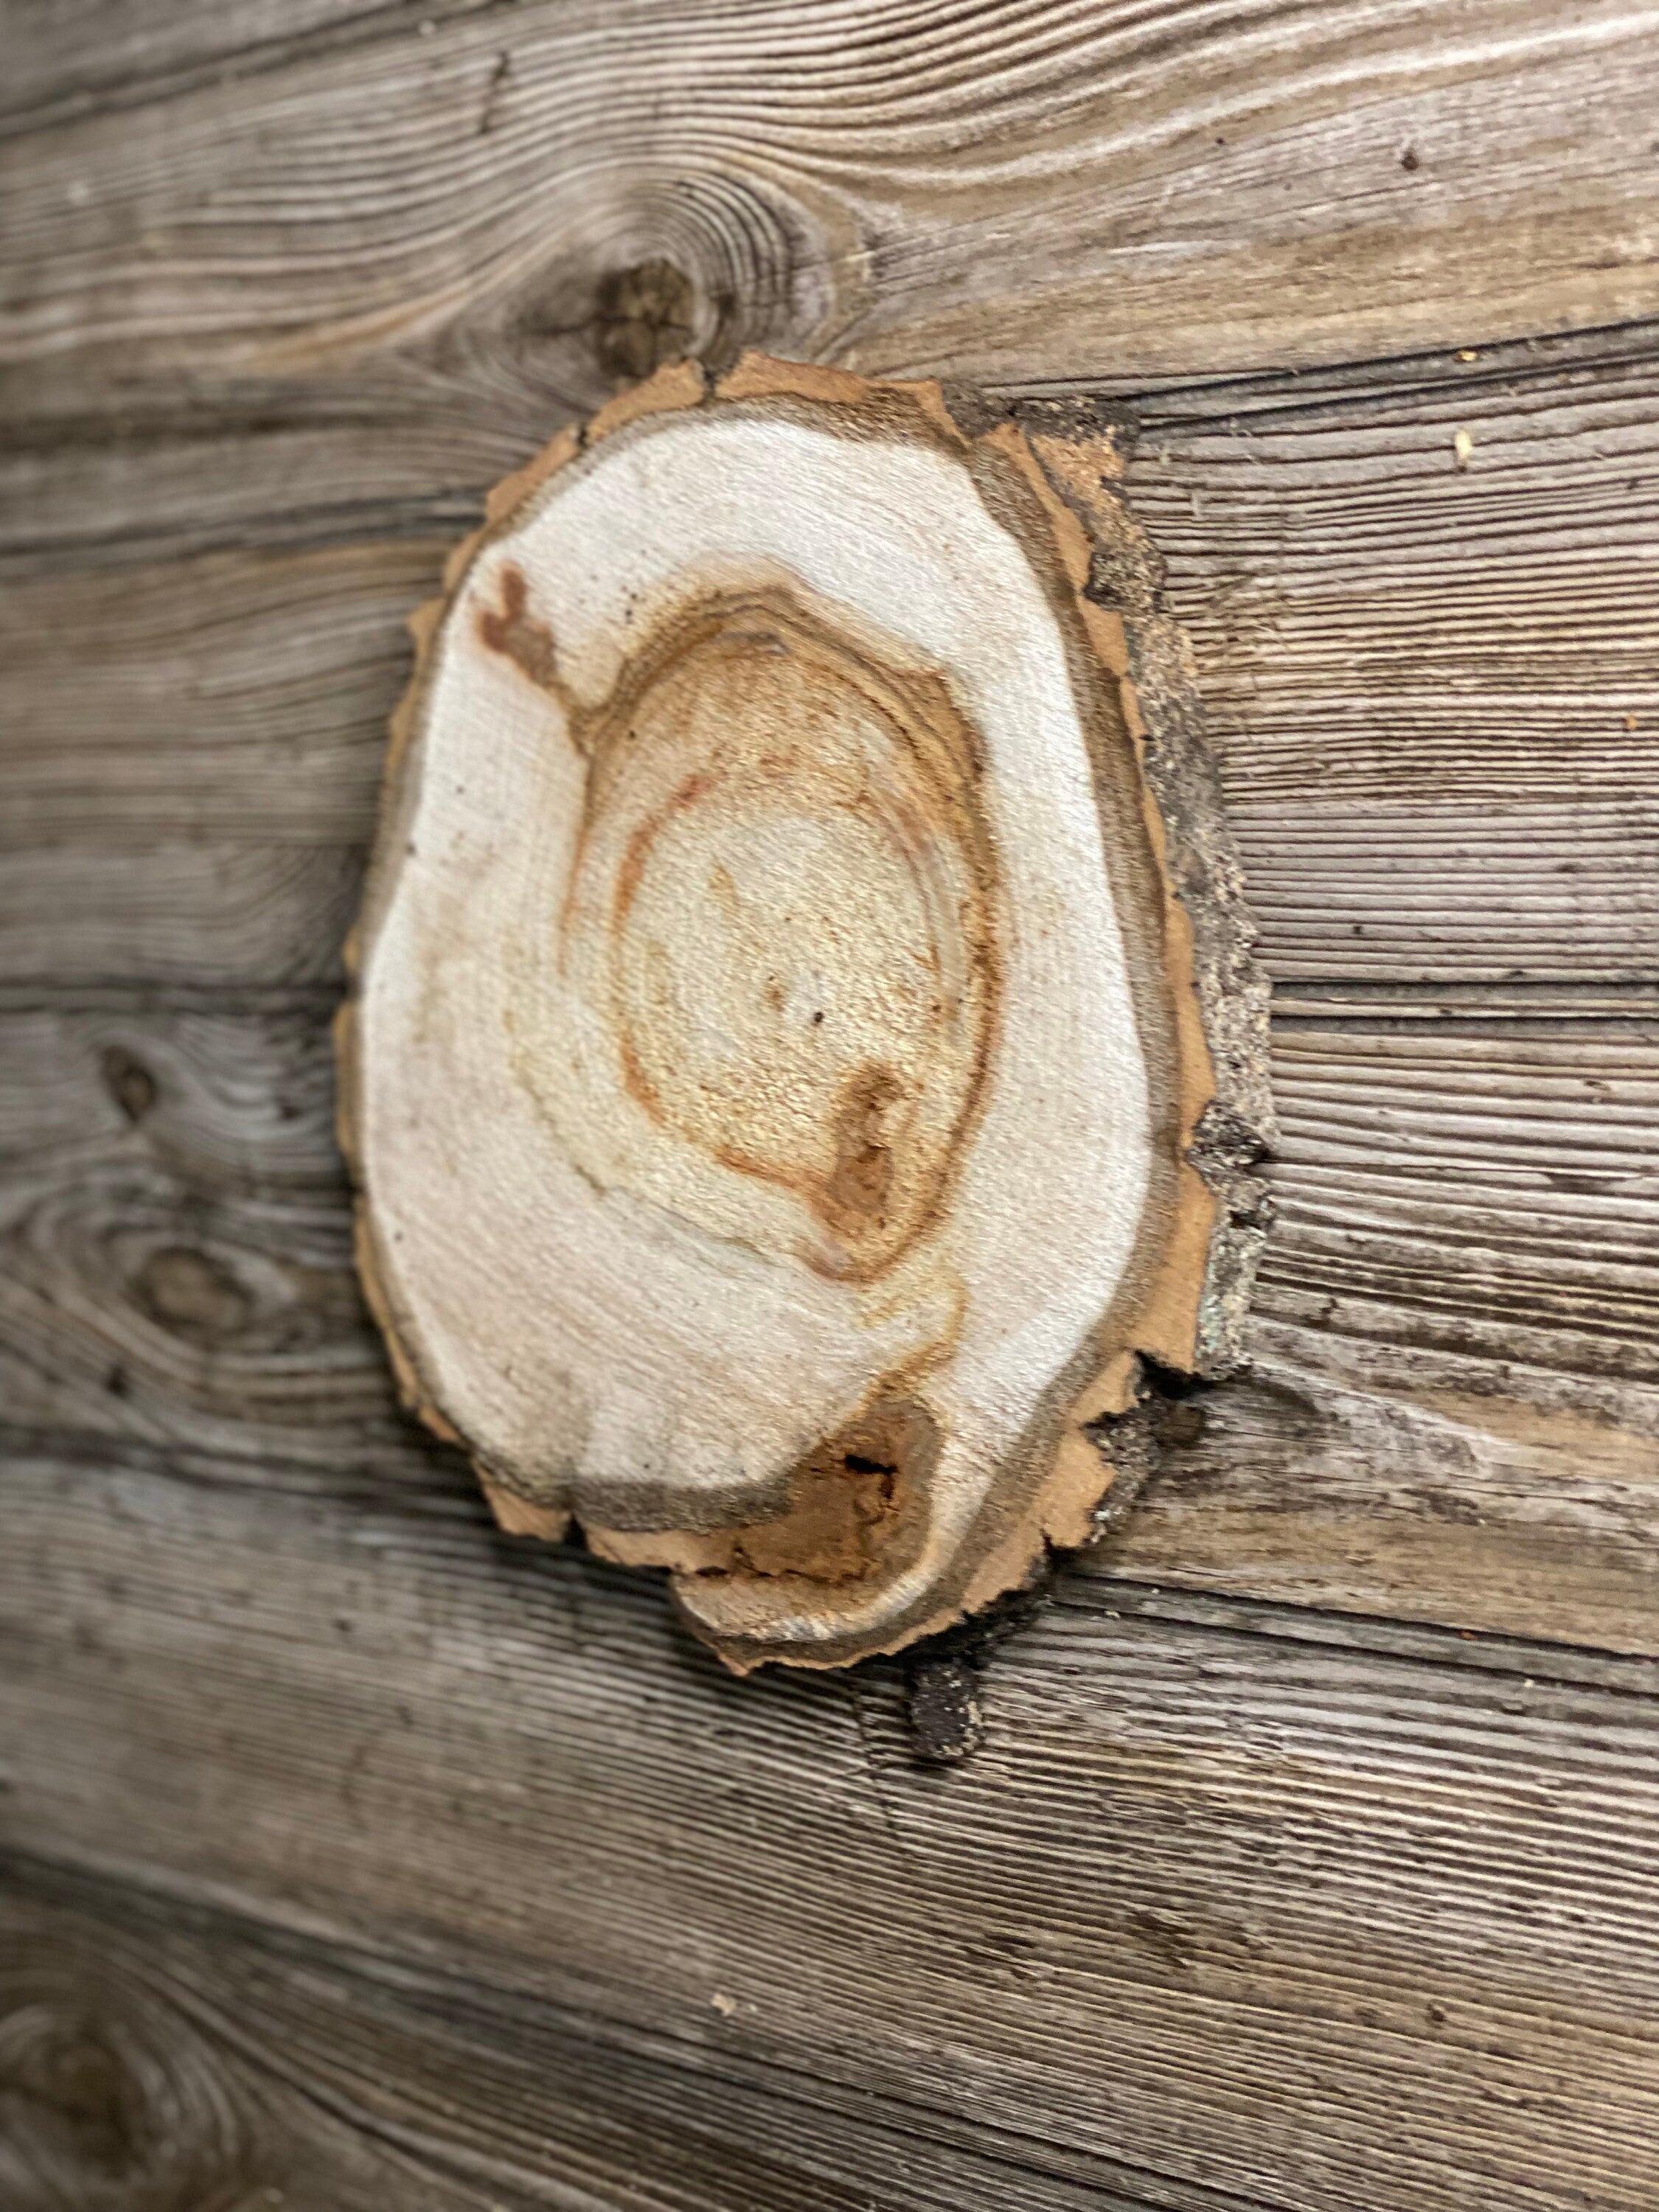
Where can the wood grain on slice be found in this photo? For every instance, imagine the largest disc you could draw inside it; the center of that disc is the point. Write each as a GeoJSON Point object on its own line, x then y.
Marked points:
{"type": "Point", "coordinates": [1348, 1867]}
{"type": "Point", "coordinates": [536, 204]}
{"type": "Point", "coordinates": [778, 1073]}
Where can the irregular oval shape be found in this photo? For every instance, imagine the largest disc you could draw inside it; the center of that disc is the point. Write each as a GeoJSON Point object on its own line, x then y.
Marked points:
{"type": "Point", "coordinates": [776, 1052]}
{"type": "Point", "coordinates": [778, 917]}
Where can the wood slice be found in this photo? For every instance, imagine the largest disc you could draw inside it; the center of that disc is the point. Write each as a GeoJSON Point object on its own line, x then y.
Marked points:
{"type": "Point", "coordinates": [804, 1052]}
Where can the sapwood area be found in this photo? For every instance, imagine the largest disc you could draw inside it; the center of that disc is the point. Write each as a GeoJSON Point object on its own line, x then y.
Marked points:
{"type": "Point", "coordinates": [360, 1854]}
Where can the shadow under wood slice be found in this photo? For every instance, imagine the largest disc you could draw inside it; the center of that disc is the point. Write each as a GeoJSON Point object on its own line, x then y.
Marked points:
{"type": "Point", "coordinates": [805, 1050]}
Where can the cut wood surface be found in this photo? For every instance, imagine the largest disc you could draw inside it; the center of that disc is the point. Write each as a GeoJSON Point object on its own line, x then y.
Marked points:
{"type": "Point", "coordinates": [800, 1005]}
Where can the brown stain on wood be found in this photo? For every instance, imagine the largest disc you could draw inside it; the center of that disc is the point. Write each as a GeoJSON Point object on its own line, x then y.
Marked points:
{"type": "Point", "coordinates": [512, 631]}
{"type": "Point", "coordinates": [853, 1497]}
{"type": "Point", "coordinates": [855, 1510]}
{"type": "Point", "coordinates": [855, 1194]}
{"type": "Point", "coordinates": [774, 683]}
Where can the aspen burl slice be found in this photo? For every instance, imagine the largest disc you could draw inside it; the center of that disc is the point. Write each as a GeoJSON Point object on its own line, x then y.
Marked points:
{"type": "Point", "coordinates": [804, 1053]}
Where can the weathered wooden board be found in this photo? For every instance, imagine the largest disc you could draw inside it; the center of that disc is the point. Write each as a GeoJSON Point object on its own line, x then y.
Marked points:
{"type": "Point", "coordinates": [178, 1273]}
{"type": "Point", "coordinates": [1037, 189]}
{"type": "Point", "coordinates": [1453, 1413]}
{"type": "Point", "coordinates": [200, 917]}
{"type": "Point", "coordinates": [448, 1874]}
{"type": "Point", "coordinates": [1415, 1486]}
{"type": "Point", "coordinates": [1499, 1190]}
{"type": "Point", "coordinates": [290, 2068]}
{"type": "Point", "coordinates": [70, 58]}
{"type": "Point", "coordinates": [241, 696]}
{"type": "Point", "coordinates": [178, 1241]}
{"type": "Point", "coordinates": [128, 2081]}
{"type": "Point", "coordinates": [1435, 689]}
{"type": "Point", "coordinates": [1427, 786]}
{"type": "Point", "coordinates": [1282, 1914]}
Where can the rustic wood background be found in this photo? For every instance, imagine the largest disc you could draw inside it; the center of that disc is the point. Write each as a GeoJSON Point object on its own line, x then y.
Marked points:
{"type": "Point", "coordinates": [361, 1858]}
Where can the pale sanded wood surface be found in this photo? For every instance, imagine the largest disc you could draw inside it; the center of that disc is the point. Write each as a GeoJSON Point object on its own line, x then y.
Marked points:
{"type": "Point", "coordinates": [794, 1201]}
{"type": "Point", "coordinates": [1305, 1867]}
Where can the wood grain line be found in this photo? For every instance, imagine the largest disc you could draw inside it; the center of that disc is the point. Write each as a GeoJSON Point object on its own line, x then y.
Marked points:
{"type": "Point", "coordinates": [1291, 2012]}
{"type": "Point", "coordinates": [178, 1279]}
{"type": "Point", "coordinates": [1011, 193]}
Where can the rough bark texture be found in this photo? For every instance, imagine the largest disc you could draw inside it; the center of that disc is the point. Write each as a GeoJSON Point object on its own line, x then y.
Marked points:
{"type": "Point", "coordinates": [368, 1855]}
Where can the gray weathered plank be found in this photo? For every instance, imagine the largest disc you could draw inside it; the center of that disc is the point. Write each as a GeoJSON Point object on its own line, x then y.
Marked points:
{"type": "Point", "coordinates": [203, 916]}
{"type": "Point", "coordinates": [1454, 1413]}
{"type": "Point", "coordinates": [242, 696]}
{"type": "Point", "coordinates": [73, 508]}
{"type": "Point", "coordinates": [1034, 189]}
{"type": "Point", "coordinates": [1411, 1485]}
{"type": "Point", "coordinates": [1502, 1190]}
{"type": "Point", "coordinates": [177, 1238]}
{"type": "Point", "coordinates": [68, 57]}
{"type": "Point", "coordinates": [1427, 786]}
{"type": "Point", "coordinates": [1283, 1917]}
{"type": "Point", "coordinates": [287, 2068]}
{"type": "Point", "coordinates": [129, 2086]}
{"type": "Point", "coordinates": [1435, 690]}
